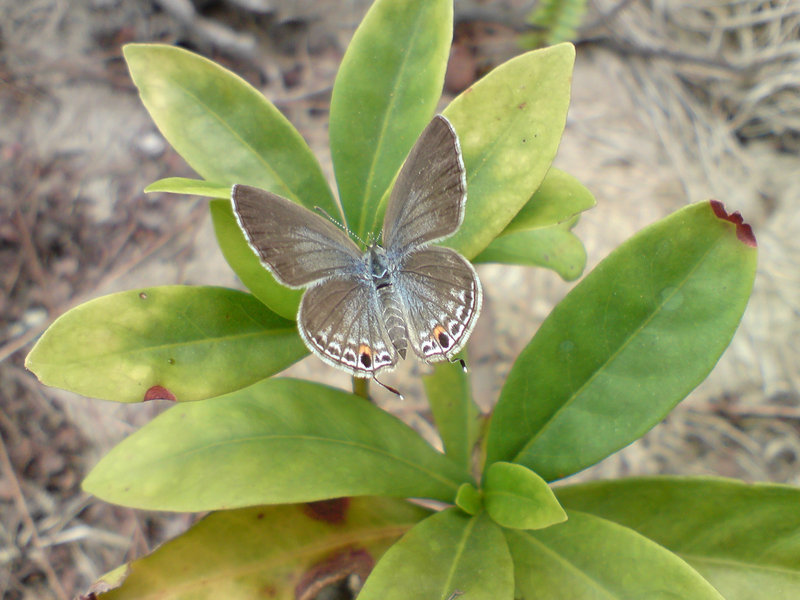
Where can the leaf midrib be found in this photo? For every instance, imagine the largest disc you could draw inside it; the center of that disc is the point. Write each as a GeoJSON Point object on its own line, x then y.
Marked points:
{"type": "Point", "coordinates": [738, 564]}
{"type": "Point", "coordinates": [560, 558]}
{"type": "Point", "coordinates": [155, 348]}
{"type": "Point", "coordinates": [611, 358]}
{"type": "Point", "coordinates": [393, 99]}
{"type": "Point", "coordinates": [286, 189]}
{"type": "Point", "coordinates": [306, 437]}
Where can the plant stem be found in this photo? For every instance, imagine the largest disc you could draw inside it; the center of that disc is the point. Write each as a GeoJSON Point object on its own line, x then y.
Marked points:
{"type": "Point", "coordinates": [361, 387]}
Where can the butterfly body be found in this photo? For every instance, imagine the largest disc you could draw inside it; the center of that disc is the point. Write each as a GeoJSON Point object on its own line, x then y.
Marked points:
{"type": "Point", "coordinates": [363, 309]}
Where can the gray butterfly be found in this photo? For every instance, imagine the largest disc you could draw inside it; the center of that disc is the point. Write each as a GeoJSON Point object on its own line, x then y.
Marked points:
{"type": "Point", "coordinates": [363, 308]}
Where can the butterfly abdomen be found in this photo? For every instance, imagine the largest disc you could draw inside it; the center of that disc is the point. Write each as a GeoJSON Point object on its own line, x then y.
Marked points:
{"type": "Point", "coordinates": [391, 305]}
{"type": "Point", "coordinates": [393, 317]}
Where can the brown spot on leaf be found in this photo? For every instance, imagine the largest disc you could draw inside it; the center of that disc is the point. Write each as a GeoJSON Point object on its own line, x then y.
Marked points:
{"type": "Point", "coordinates": [522, 105]}
{"type": "Point", "coordinates": [333, 570]}
{"type": "Point", "coordinates": [743, 231]}
{"type": "Point", "coordinates": [143, 295]}
{"type": "Point", "coordinates": [158, 392]}
{"type": "Point", "coordinates": [330, 511]}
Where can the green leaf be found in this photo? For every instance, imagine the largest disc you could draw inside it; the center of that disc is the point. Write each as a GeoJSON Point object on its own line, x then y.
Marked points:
{"type": "Point", "coordinates": [196, 187]}
{"type": "Point", "coordinates": [385, 93]}
{"type": "Point", "coordinates": [744, 538]}
{"type": "Point", "coordinates": [469, 499]}
{"type": "Point", "coordinates": [554, 247]}
{"type": "Point", "coordinates": [518, 498]}
{"type": "Point", "coordinates": [186, 342]}
{"type": "Point", "coordinates": [446, 553]}
{"type": "Point", "coordinates": [509, 124]}
{"type": "Point", "coordinates": [539, 234]}
{"type": "Point", "coordinates": [223, 127]}
{"type": "Point", "coordinates": [626, 345]}
{"type": "Point", "coordinates": [559, 198]}
{"type": "Point", "coordinates": [241, 553]}
{"type": "Point", "coordinates": [590, 558]}
{"type": "Point", "coordinates": [455, 413]}
{"type": "Point", "coordinates": [559, 20]}
{"type": "Point", "coordinates": [247, 266]}
{"type": "Point", "coordinates": [277, 441]}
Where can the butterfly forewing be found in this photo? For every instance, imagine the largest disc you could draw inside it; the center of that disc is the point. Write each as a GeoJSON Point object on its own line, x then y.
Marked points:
{"type": "Point", "coordinates": [341, 321]}
{"type": "Point", "coordinates": [442, 298]}
{"type": "Point", "coordinates": [298, 246]}
{"type": "Point", "coordinates": [427, 201]}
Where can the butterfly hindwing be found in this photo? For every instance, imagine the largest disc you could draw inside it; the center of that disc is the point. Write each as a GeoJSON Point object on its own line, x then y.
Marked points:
{"type": "Point", "coordinates": [341, 321]}
{"type": "Point", "coordinates": [442, 298]}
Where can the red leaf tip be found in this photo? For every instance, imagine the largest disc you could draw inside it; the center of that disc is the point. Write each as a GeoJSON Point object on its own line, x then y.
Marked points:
{"type": "Point", "coordinates": [158, 392]}
{"type": "Point", "coordinates": [743, 231]}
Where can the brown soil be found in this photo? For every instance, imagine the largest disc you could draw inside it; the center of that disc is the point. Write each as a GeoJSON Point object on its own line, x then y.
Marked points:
{"type": "Point", "coordinates": [670, 105]}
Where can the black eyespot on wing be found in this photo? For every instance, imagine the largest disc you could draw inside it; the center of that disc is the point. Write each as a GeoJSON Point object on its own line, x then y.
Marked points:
{"type": "Point", "coordinates": [366, 360]}
{"type": "Point", "coordinates": [444, 340]}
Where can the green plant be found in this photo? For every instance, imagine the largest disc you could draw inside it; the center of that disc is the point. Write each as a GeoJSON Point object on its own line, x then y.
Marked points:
{"type": "Point", "coordinates": [557, 21]}
{"type": "Point", "coordinates": [308, 483]}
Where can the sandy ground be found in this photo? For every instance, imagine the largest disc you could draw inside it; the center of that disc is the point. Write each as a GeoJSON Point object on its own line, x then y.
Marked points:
{"type": "Point", "coordinates": [672, 103]}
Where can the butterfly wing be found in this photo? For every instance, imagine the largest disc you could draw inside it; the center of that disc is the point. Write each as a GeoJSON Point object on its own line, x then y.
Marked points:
{"type": "Point", "coordinates": [340, 321]}
{"type": "Point", "coordinates": [427, 201]}
{"type": "Point", "coordinates": [442, 298]}
{"type": "Point", "coordinates": [296, 245]}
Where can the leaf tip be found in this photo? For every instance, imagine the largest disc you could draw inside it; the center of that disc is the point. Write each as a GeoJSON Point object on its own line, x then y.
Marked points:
{"type": "Point", "coordinates": [109, 581]}
{"type": "Point", "coordinates": [743, 231]}
{"type": "Point", "coordinates": [158, 392]}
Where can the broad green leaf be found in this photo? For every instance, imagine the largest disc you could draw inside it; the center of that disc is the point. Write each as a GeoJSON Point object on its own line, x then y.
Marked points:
{"type": "Point", "coordinates": [178, 342]}
{"type": "Point", "coordinates": [456, 415]}
{"type": "Point", "coordinates": [559, 198]}
{"type": "Point", "coordinates": [278, 441]}
{"type": "Point", "coordinates": [223, 127]}
{"type": "Point", "coordinates": [626, 345]}
{"type": "Point", "coordinates": [744, 538]}
{"type": "Point", "coordinates": [446, 553]}
{"type": "Point", "coordinates": [385, 93]}
{"type": "Point", "coordinates": [284, 549]}
{"type": "Point", "coordinates": [247, 266]}
{"type": "Point", "coordinates": [509, 124]}
{"type": "Point", "coordinates": [593, 559]}
{"type": "Point", "coordinates": [518, 498]}
{"type": "Point", "coordinates": [554, 247]}
{"type": "Point", "coordinates": [197, 187]}
{"type": "Point", "coordinates": [469, 499]}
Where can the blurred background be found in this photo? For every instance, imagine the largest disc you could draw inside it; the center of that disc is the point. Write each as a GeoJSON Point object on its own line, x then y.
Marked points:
{"type": "Point", "coordinates": [673, 102]}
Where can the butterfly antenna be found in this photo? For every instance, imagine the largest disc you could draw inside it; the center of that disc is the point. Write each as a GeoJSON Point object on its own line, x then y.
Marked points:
{"type": "Point", "coordinates": [395, 391]}
{"type": "Point", "coordinates": [339, 224]}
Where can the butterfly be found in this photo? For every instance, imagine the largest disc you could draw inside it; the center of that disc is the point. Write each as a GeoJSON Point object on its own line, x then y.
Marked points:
{"type": "Point", "coordinates": [363, 308]}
